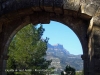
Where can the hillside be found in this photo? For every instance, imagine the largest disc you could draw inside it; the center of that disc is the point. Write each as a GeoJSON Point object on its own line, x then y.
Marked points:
{"type": "Point", "coordinates": [61, 57]}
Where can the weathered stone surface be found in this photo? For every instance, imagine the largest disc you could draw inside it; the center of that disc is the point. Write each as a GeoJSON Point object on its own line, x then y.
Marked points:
{"type": "Point", "coordinates": [90, 9]}
{"type": "Point", "coordinates": [48, 5]}
{"type": "Point", "coordinates": [97, 17]}
{"type": "Point", "coordinates": [96, 2]}
{"type": "Point", "coordinates": [77, 4]}
{"type": "Point", "coordinates": [96, 37]}
{"type": "Point", "coordinates": [71, 4]}
{"type": "Point", "coordinates": [58, 5]}
{"type": "Point", "coordinates": [77, 14]}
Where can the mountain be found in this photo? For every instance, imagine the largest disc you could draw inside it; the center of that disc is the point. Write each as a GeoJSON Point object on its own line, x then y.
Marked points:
{"type": "Point", "coordinates": [61, 57]}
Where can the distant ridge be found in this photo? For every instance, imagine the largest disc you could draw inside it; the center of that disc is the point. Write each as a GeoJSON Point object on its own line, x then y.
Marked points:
{"type": "Point", "coordinates": [61, 57]}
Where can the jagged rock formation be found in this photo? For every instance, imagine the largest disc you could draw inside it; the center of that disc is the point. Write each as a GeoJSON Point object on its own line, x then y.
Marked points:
{"type": "Point", "coordinates": [61, 57]}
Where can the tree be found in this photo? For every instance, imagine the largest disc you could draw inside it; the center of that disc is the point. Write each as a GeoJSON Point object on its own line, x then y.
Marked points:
{"type": "Point", "coordinates": [68, 71]}
{"type": "Point", "coordinates": [62, 73]}
{"type": "Point", "coordinates": [27, 49]}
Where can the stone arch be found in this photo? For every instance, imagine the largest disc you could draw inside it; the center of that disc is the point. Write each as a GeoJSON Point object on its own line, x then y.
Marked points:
{"type": "Point", "coordinates": [76, 24]}
{"type": "Point", "coordinates": [74, 13]}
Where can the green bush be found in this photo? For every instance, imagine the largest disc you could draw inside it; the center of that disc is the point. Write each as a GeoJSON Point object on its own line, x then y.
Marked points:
{"type": "Point", "coordinates": [68, 71]}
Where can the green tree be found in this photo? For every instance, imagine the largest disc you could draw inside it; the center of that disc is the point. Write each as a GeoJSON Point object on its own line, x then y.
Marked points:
{"type": "Point", "coordinates": [68, 71]}
{"type": "Point", "coordinates": [27, 49]}
{"type": "Point", "coordinates": [62, 73]}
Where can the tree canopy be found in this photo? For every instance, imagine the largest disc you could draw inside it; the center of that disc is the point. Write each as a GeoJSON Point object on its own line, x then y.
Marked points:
{"type": "Point", "coordinates": [68, 71]}
{"type": "Point", "coordinates": [27, 49]}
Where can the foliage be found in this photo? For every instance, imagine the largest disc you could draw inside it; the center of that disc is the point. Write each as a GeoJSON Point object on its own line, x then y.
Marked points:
{"type": "Point", "coordinates": [80, 73]}
{"type": "Point", "coordinates": [68, 71]}
{"type": "Point", "coordinates": [27, 50]}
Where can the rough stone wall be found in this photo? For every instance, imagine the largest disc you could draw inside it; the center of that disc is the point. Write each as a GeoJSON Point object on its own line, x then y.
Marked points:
{"type": "Point", "coordinates": [89, 7]}
{"type": "Point", "coordinates": [17, 21]}
{"type": "Point", "coordinates": [75, 13]}
{"type": "Point", "coordinates": [96, 42]}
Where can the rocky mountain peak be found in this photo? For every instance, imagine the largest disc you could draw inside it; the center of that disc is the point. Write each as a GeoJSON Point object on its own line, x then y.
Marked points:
{"type": "Point", "coordinates": [57, 48]}
{"type": "Point", "coordinates": [61, 57]}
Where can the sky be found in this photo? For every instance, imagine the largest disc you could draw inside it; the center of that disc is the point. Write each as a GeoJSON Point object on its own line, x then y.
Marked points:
{"type": "Point", "coordinates": [58, 33]}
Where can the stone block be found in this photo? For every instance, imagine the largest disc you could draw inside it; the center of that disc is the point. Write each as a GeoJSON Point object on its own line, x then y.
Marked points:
{"type": "Point", "coordinates": [77, 5]}
{"type": "Point", "coordinates": [82, 1]}
{"type": "Point", "coordinates": [88, 1]}
{"type": "Point", "coordinates": [68, 4]}
{"type": "Point", "coordinates": [96, 20]}
{"type": "Point", "coordinates": [71, 4]}
{"type": "Point", "coordinates": [90, 9]}
{"type": "Point", "coordinates": [48, 9]}
{"type": "Point", "coordinates": [48, 5]}
{"type": "Point", "coordinates": [58, 10]}
{"type": "Point", "coordinates": [58, 6]}
{"type": "Point", "coordinates": [70, 13]}
{"type": "Point", "coordinates": [96, 30]}
{"type": "Point", "coordinates": [36, 5]}
{"type": "Point", "coordinates": [97, 17]}
{"type": "Point", "coordinates": [96, 2]}
{"type": "Point", "coordinates": [97, 12]}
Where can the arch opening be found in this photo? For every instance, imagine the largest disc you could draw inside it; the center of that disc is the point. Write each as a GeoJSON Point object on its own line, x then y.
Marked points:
{"type": "Point", "coordinates": [76, 24]}
{"type": "Point", "coordinates": [59, 34]}
{"type": "Point", "coordinates": [62, 37]}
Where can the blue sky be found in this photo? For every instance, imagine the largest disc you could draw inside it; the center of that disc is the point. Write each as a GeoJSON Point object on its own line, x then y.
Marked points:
{"type": "Point", "coordinates": [59, 33]}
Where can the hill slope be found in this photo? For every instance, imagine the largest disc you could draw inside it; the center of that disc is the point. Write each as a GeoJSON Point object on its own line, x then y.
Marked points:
{"type": "Point", "coordinates": [61, 57]}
